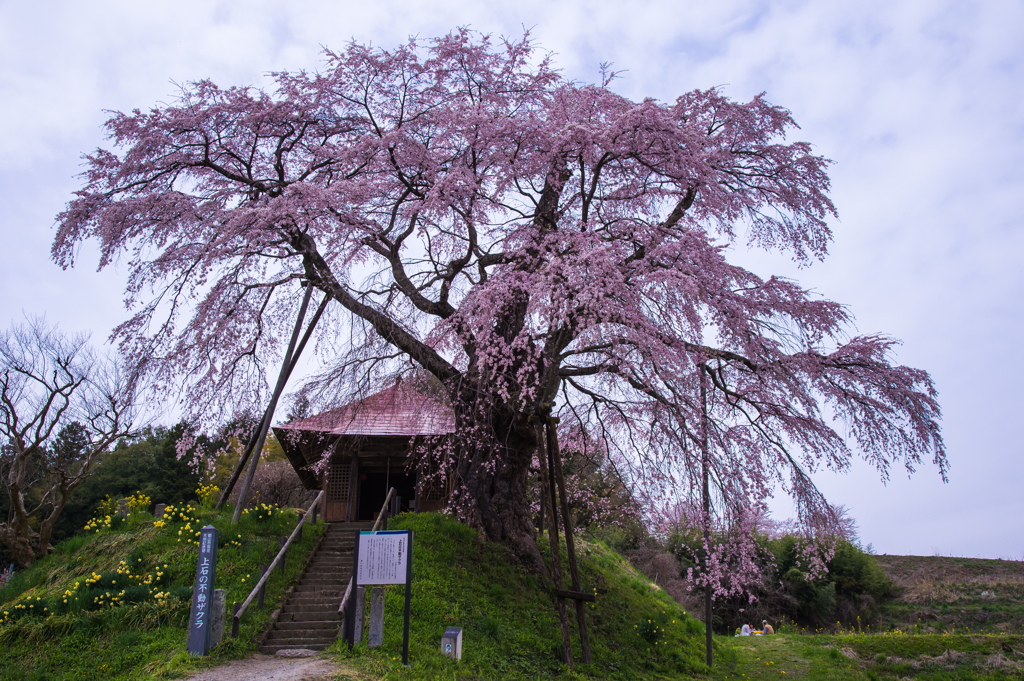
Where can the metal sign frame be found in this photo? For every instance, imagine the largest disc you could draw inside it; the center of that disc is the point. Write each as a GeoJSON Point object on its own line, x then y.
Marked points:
{"type": "Point", "coordinates": [382, 564]}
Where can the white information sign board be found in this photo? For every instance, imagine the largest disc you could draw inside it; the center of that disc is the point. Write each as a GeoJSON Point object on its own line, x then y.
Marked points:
{"type": "Point", "coordinates": [383, 557]}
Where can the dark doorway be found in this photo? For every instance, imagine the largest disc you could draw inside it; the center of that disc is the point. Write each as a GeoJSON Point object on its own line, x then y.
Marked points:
{"type": "Point", "coordinates": [405, 488]}
{"type": "Point", "coordinates": [374, 489]}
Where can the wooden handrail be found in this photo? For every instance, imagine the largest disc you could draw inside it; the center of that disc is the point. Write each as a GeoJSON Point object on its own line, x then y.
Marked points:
{"type": "Point", "coordinates": [348, 589]}
{"type": "Point", "coordinates": [277, 559]}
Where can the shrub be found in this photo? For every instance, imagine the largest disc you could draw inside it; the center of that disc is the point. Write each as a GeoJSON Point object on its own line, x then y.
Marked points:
{"type": "Point", "coordinates": [650, 630]}
{"type": "Point", "coordinates": [30, 607]}
{"type": "Point", "coordinates": [489, 627]}
{"type": "Point", "coordinates": [276, 484]}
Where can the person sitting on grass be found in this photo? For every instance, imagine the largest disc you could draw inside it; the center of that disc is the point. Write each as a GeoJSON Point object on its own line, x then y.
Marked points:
{"type": "Point", "coordinates": [745, 631]}
{"type": "Point", "coordinates": [766, 628]}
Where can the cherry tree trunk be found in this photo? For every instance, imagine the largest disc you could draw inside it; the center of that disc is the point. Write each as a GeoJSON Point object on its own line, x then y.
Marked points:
{"type": "Point", "coordinates": [492, 481]}
{"type": "Point", "coordinates": [19, 544]}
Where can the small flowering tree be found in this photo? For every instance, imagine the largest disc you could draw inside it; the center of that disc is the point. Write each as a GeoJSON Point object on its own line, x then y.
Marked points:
{"type": "Point", "coordinates": [536, 245]}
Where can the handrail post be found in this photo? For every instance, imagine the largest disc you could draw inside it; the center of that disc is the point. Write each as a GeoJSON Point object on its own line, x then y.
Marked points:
{"type": "Point", "coordinates": [273, 564]}
{"type": "Point", "coordinates": [383, 510]}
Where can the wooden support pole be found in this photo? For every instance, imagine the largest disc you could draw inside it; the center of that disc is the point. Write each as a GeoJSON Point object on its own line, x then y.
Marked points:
{"type": "Point", "coordinates": [269, 412]}
{"type": "Point", "coordinates": [548, 491]}
{"type": "Point", "coordinates": [570, 545]}
{"type": "Point", "coordinates": [706, 505]}
{"type": "Point", "coordinates": [543, 509]}
{"type": "Point", "coordinates": [282, 380]}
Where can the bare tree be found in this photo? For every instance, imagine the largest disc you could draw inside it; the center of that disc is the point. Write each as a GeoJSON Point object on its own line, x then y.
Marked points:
{"type": "Point", "coordinates": [61, 406]}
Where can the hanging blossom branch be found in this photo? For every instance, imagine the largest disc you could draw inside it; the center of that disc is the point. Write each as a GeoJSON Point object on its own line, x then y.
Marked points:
{"type": "Point", "coordinates": [518, 237]}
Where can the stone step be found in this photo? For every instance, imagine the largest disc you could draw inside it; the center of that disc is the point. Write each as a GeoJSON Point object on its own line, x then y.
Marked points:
{"type": "Point", "coordinates": [308, 607]}
{"type": "Point", "coordinates": [327, 625]}
{"type": "Point", "coordinates": [271, 649]}
{"type": "Point", "coordinates": [310, 619]}
{"type": "Point", "coordinates": [336, 582]}
{"type": "Point", "coordinates": [327, 615]}
{"type": "Point", "coordinates": [294, 635]}
{"type": "Point", "coordinates": [331, 553]}
{"type": "Point", "coordinates": [327, 573]}
{"type": "Point", "coordinates": [336, 590]}
{"type": "Point", "coordinates": [313, 600]}
{"type": "Point", "coordinates": [328, 567]}
{"type": "Point", "coordinates": [332, 590]}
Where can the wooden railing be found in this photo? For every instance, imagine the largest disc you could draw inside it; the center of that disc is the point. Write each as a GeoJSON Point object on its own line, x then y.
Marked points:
{"type": "Point", "coordinates": [273, 564]}
{"type": "Point", "coordinates": [380, 516]}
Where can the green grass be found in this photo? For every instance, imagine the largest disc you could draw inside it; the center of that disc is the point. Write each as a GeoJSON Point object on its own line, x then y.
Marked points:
{"type": "Point", "coordinates": [937, 594]}
{"type": "Point", "coordinates": [927, 657]}
{"type": "Point", "coordinates": [77, 638]}
{"type": "Point", "coordinates": [509, 619]}
{"type": "Point", "coordinates": [508, 615]}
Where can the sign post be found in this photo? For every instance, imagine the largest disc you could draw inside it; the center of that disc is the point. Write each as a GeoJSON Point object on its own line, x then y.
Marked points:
{"type": "Point", "coordinates": [200, 621]}
{"type": "Point", "coordinates": [382, 558]}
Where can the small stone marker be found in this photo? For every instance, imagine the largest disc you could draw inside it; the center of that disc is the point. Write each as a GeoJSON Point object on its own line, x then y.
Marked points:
{"type": "Point", "coordinates": [200, 625]}
{"type": "Point", "coordinates": [360, 612]}
{"type": "Point", "coordinates": [376, 634]}
{"type": "Point", "coordinates": [451, 643]}
{"type": "Point", "coordinates": [218, 608]}
{"type": "Point", "coordinates": [123, 506]}
{"type": "Point", "coordinates": [158, 511]}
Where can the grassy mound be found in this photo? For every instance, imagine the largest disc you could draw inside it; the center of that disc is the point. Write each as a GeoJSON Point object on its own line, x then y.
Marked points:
{"type": "Point", "coordinates": [126, 617]}
{"type": "Point", "coordinates": [509, 619]}
{"type": "Point", "coordinates": [113, 603]}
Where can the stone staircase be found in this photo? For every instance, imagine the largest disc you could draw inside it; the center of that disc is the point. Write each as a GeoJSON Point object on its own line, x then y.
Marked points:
{"type": "Point", "coordinates": [310, 619]}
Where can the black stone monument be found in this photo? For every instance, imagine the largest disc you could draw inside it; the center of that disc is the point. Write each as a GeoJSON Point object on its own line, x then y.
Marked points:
{"type": "Point", "coordinates": [200, 622]}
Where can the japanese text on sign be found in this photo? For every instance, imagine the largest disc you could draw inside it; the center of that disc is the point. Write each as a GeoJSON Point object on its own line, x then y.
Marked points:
{"type": "Point", "coordinates": [383, 557]}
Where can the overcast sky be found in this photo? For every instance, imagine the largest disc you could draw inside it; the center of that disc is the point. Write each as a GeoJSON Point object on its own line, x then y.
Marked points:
{"type": "Point", "coordinates": [918, 103]}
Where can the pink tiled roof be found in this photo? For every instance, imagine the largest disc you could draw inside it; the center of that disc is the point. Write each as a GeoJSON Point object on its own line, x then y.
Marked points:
{"type": "Point", "coordinates": [398, 410]}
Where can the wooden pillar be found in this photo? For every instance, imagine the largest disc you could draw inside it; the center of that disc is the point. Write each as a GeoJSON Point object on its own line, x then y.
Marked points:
{"type": "Point", "coordinates": [353, 489]}
{"type": "Point", "coordinates": [570, 546]}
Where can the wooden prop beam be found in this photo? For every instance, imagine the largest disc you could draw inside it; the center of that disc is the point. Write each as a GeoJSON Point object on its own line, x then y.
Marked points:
{"type": "Point", "coordinates": [268, 414]}
{"type": "Point", "coordinates": [555, 456]}
{"type": "Point", "coordinates": [575, 595]}
{"type": "Point", "coordinates": [548, 491]}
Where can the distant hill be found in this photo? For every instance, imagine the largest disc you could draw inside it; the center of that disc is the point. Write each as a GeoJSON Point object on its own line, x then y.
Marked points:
{"type": "Point", "coordinates": [936, 593]}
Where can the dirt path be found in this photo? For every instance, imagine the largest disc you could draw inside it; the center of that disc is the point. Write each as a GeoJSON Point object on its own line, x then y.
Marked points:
{"type": "Point", "coordinates": [270, 668]}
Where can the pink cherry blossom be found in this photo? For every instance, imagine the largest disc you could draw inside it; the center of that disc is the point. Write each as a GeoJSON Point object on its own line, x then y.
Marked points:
{"type": "Point", "coordinates": [533, 244]}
